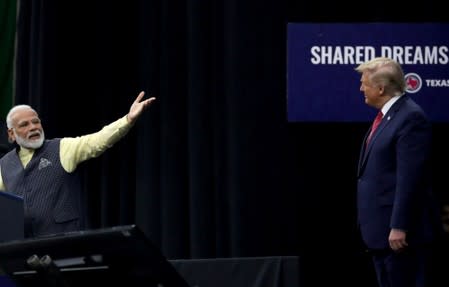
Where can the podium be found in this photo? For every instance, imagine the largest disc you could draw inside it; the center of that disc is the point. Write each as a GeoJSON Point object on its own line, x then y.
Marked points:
{"type": "Point", "coordinates": [12, 218]}
{"type": "Point", "coordinates": [115, 256]}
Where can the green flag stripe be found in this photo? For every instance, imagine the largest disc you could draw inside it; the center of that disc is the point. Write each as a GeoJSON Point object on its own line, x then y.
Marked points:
{"type": "Point", "coordinates": [8, 17]}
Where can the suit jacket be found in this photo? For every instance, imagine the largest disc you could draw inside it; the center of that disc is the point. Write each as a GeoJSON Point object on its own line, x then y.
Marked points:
{"type": "Point", "coordinates": [394, 179]}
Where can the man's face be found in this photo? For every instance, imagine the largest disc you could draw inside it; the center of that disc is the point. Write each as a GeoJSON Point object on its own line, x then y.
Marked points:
{"type": "Point", "coordinates": [371, 91]}
{"type": "Point", "coordinates": [27, 130]}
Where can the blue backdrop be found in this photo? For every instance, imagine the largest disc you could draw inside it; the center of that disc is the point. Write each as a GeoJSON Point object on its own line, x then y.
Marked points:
{"type": "Point", "coordinates": [322, 85]}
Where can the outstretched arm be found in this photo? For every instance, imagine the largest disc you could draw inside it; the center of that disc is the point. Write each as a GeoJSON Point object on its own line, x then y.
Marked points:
{"type": "Point", "coordinates": [75, 150]}
{"type": "Point", "coordinates": [138, 107]}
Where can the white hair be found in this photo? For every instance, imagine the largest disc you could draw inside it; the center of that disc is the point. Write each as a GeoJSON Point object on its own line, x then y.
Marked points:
{"type": "Point", "coordinates": [13, 110]}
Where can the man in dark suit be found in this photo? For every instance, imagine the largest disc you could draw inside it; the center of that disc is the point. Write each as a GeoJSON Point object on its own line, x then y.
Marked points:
{"type": "Point", "coordinates": [397, 215]}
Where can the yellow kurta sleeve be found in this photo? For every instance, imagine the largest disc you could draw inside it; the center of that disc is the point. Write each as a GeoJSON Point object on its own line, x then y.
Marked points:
{"type": "Point", "coordinates": [75, 150]}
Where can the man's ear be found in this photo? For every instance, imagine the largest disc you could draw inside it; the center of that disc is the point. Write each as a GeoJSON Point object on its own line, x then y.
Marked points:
{"type": "Point", "coordinates": [11, 136]}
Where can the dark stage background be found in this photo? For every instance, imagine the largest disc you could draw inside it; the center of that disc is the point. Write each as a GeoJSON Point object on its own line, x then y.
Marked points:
{"type": "Point", "coordinates": [213, 168]}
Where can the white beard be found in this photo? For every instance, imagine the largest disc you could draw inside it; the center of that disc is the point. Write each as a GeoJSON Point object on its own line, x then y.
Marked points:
{"type": "Point", "coordinates": [30, 144]}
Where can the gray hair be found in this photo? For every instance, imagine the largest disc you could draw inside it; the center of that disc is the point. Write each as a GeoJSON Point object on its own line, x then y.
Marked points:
{"type": "Point", "coordinates": [14, 109]}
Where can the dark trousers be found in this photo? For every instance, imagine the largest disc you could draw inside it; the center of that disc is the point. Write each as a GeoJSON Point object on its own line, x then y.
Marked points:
{"type": "Point", "coordinates": [408, 268]}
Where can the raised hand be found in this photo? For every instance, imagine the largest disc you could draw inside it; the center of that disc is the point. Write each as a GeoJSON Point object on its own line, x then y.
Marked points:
{"type": "Point", "coordinates": [138, 107]}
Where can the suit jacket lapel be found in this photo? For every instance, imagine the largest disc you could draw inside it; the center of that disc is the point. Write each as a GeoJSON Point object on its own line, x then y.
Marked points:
{"type": "Point", "coordinates": [365, 150]}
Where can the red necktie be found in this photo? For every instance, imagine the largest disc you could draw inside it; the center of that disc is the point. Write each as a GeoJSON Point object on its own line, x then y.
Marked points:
{"type": "Point", "coordinates": [376, 123]}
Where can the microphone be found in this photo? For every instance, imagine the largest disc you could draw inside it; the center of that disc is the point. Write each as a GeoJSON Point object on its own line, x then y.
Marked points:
{"type": "Point", "coordinates": [47, 269]}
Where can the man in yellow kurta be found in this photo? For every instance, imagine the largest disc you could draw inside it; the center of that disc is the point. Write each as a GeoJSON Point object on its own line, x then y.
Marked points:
{"type": "Point", "coordinates": [43, 171]}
